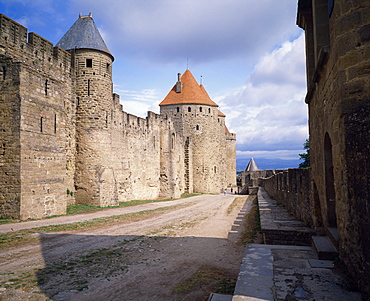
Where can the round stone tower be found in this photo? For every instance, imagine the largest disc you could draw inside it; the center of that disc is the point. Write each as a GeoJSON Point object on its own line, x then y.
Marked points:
{"type": "Point", "coordinates": [195, 117]}
{"type": "Point", "coordinates": [92, 73]}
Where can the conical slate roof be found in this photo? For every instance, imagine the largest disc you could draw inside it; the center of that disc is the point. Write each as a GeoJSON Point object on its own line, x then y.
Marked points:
{"type": "Point", "coordinates": [252, 166]}
{"type": "Point", "coordinates": [83, 34]}
{"type": "Point", "coordinates": [191, 93]}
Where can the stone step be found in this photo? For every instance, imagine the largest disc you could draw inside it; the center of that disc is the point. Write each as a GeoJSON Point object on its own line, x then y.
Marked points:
{"type": "Point", "coordinates": [255, 280]}
{"type": "Point", "coordinates": [220, 297]}
{"type": "Point", "coordinates": [333, 234]}
{"type": "Point", "coordinates": [324, 248]}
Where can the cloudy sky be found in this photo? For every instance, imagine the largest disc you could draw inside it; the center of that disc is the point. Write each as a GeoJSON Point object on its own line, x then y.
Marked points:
{"type": "Point", "coordinates": [248, 54]}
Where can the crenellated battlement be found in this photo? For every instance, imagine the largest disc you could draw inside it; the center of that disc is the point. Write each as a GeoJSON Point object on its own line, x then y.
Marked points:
{"type": "Point", "coordinates": [230, 136]}
{"type": "Point", "coordinates": [30, 48]}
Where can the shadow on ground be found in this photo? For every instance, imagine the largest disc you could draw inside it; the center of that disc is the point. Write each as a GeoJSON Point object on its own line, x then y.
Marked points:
{"type": "Point", "coordinates": [124, 267]}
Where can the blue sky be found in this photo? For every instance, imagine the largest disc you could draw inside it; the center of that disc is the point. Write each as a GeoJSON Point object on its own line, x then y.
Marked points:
{"type": "Point", "coordinates": [250, 55]}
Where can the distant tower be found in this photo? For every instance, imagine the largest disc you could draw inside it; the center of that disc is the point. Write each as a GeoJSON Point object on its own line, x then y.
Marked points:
{"type": "Point", "coordinates": [196, 119]}
{"type": "Point", "coordinates": [252, 166]}
{"type": "Point", "coordinates": [92, 62]}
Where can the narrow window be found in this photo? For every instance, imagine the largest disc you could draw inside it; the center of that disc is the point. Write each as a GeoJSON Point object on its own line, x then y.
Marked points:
{"type": "Point", "coordinates": [89, 63]}
{"type": "Point", "coordinates": [88, 87]}
{"type": "Point", "coordinates": [108, 67]}
{"type": "Point", "coordinates": [3, 70]}
{"type": "Point", "coordinates": [41, 124]}
{"type": "Point", "coordinates": [172, 141]}
{"type": "Point", "coordinates": [46, 87]}
{"type": "Point", "coordinates": [106, 119]}
{"type": "Point", "coordinates": [209, 110]}
{"type": "Point", "coordinates": [177, 109]}
{"type": "Point", "coordinates": [78, 101]}
{"type": "Point", "coordinates": [189, 109]}
{"type": "Point", "coordinates": [215, 169]}
{"type": "Point", "coordinates": [197, 127]}
{"type": "Point", "coordinates": [200, 109]}
{"type": "Point", "coordinates": [55, 123]}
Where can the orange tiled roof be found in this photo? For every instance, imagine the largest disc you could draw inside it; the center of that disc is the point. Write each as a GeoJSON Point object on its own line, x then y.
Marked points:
{"type": "Point", "coordinates": [226, 130]}
{"type": "Point", "coordinates": [191, 93]}
{"type": "Point", "coordinates": [221, 114]}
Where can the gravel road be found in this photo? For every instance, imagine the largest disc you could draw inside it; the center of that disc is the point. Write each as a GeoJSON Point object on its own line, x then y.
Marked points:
{"type": "Point", "coordinates": [153, 255]}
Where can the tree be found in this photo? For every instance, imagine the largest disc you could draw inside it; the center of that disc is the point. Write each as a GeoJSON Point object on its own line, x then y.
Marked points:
{"type": "Point", "coordinates": [305, 156]}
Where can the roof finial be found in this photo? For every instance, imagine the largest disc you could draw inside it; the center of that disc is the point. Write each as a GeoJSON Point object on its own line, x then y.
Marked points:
{"type": "Point", "coordinates": [79, 15]}
{"type": "Point", "coordinates": [187, 63]}
{"type": "Point", "coordinates": [90, 15]}
{"type": "Point", "coordinates": [201, 79]}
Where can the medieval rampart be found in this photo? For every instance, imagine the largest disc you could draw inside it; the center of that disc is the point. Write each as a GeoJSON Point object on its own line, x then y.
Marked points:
{"type": "Point", "coordinates": [37, 118]}
{"type": "Point", "coordinates": [291, 188]}
{"type": "Point", "coordinates": [65, 138]}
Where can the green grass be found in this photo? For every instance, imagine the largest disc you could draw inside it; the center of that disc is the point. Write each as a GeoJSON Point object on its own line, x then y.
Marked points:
{"type": "Point", "coordinates": [252, 224]}
{"type": "Point", "coordinates": [213, 278]}
{"type": "Point", "coordinates": [82, 208]}
{"type": "Point", "coordinates": [23, 236]}
{"type": "Point", "coordinates": [4, 220]}
{"type": "Point", "coordinates": [188, 195]}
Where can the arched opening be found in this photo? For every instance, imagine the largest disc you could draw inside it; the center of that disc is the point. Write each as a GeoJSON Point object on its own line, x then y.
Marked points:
{"type": "Point", "coordinates": [189, 109]}
{"type": "Point", "coordinates": [329, 182]}
{"type": "Point", "coordinates": [316, 208]}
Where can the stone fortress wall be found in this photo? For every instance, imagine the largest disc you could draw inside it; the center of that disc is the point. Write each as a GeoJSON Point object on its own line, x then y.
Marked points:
{"type": "Point", "coordinates": [37, 113]}
{"type": "Point", "coordinates": [333, 195]}
{"type": "Point", "coordinates": [65, 138]}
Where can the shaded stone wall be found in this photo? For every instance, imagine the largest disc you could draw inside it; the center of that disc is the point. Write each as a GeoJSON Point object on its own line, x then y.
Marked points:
{"type": "Point", "coordinates": [292, 189]}
{"type": "Point", "coordinates": [36, 97]}
{"type": "Point", "coordinates": [230, 159]}
{"type": "Point", "coordinates": [10, 182]}
{"type": "Point", "coordinates": [338, 59]}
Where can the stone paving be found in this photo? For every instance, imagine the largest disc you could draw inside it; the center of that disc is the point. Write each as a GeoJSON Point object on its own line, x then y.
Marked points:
{"type": "Point", "coordinates": [287, 272]}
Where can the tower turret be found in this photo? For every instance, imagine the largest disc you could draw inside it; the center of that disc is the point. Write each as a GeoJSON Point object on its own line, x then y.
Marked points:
{"type": "Point", "coordinates": [196, 119]}
{"type": "Point", "coordinates": [92, 72]}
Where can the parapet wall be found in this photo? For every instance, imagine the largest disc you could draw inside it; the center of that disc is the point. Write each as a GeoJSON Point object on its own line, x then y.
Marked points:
{"type": "Point", "coordinates": [31, 49]}
{"type": "Point", "coordinates": [292, 189]}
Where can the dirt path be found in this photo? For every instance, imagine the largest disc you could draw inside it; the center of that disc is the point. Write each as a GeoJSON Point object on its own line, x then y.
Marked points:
{"type": "Point", "coordinates": [147, 257]}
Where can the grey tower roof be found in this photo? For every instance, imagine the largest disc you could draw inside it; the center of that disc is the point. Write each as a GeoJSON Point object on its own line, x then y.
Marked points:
{"type": "Point", "coordinates": [252, 166]}
{"type": "Point", "coordinates": [83, 34]}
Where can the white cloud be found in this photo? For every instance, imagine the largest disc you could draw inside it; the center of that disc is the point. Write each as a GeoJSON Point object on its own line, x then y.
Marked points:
{"type": "Point", "coordinates": [202, 30]}
{"type": "Point", "coordinates": [138, 102]}
{"type": "Point", "coordinates": [276, 154]}
{"type": "Point", "coordinates": [269, 111]}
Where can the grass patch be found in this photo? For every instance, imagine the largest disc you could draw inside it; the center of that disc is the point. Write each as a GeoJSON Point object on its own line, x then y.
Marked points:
{"type": "Point", "coordinates": [83, 208]}
{"type": "Point", "coordinates": [252, 224]}
{"type": "Point", "coordinates": [27, 235]}
{"type": "Point", "coordinates": [214, 279]}
{"type": "Point", "coordinates": [4, 220]}
{"type": "Point", "coordinates": [234, 204]}
{"type": "Point", "coordinates": [188, 195]}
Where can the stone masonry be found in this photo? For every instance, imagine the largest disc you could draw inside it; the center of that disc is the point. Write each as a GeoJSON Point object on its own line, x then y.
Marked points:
{"type": "Point", "coordinates": [65, 138]}
{"type": "Point", "coordinates": [333, 196]}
